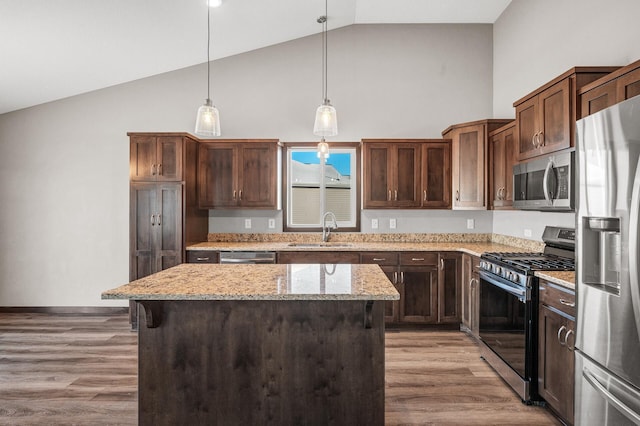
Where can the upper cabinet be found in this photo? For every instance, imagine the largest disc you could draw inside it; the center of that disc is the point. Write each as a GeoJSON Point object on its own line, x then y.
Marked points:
{"type": "Point", "coordinates": [469, 162]}
{"type": "Point", "coordinates": [616, 87]}
{"type": "Point", "coordinates": [502, 157]}
{"type": "Point", "coordinates": [406, 173]}
{"type": "Point", "coordinates": [546, 117]}
{"type": "Point", "coordinates": [238, 174]}
{"type": "Point", "coordinates": [155, 157]}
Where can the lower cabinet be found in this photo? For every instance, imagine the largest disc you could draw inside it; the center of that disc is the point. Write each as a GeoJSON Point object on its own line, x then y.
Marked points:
{"type": "Point", "coordinates": [556, 336]}
{"type": "Point", "coordinates": [418, 294]}
{"type": "Point", "coordinates": [388, 262]}
{"type": "Point", "coordinates": [203, 256]}
{"type": "Point", "coordinates": [470, 294]}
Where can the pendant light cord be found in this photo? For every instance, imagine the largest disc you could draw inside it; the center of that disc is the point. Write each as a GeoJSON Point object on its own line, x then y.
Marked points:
{"type": "Point", "coordinates": [208, 52]}
{"type": "Point", "coordinates": [323, 20]}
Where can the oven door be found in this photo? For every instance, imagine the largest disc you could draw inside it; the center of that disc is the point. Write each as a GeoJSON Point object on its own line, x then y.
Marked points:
{"type": "Point", "coordinates": [506, 322]}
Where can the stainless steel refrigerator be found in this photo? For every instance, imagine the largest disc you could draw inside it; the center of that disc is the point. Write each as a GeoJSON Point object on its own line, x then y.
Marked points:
{"type": "Point", "coordinates": [607, 347]}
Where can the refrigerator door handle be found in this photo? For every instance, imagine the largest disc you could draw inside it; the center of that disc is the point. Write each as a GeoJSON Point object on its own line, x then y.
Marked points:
{"type": "Point", "coordinates": [612, 399]}
{"type": "Point", "coordinates": [633, 248]}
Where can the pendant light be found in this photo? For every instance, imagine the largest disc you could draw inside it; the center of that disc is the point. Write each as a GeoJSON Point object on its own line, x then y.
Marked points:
{"type": "Point", "coordinates": [208, 118]}
{"type": "Point", "coordinates": [326, 123]}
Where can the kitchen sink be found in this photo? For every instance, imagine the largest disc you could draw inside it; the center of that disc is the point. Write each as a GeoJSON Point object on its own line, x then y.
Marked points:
{"type": "Point", "coordinates": [312, 245]}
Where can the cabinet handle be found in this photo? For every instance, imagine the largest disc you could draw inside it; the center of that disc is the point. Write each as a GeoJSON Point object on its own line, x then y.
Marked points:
{"type": "Point", "coordinates": [153, 170]}
{"type": "Point", "coordinates": [389, 196]}
{"type": "Point", "coordinates": [395, 195]}
{"type": "Point", "coordinates": [240, 195]}
{"type": "Point", "coordinates": [417, 259]}
{"type": "Point", "coordinates": [234, 195]}
{"type": "Point", "coordinates": [402, 277]}
{"type": "Point", "coordinates": [159, 221]}
{"type": "Point", "coordinates": [441, 264]}
{"type": "Point", "coordinates": [201, 259]}
{"type": "Point", "coordinates": [458, 195]}
{"type": "Point", "coordinates": [424, 195]}
{"type": "Point", "coordinates": [567, 303]}
{"type": "Point", "coordinates": [379, 259]}
{"type": "Point", "coordinates": [159, 167]}
{"type": "Point", "coordinates": [472, 282]}
{"type": "Point", "coordinates": [533, 140]}
{"type": "Point", "coordinates": [560, 330]}
{"type": "Point", "coordinates": [498, 194]}
{"type": "Point", "coordinates": [395, 277]}
{"type": "Point", "coordinates": [541, 139]}
{"type": "Point", "coordinates": [504, 192]}
{"type": "Point", "coordinates": [153, 219]}
{"type": "Point", "coordinates": [566, 338]}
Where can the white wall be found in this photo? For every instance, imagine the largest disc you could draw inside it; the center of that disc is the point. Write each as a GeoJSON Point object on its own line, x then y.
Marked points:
{"type": "Point", "coordinates": [534, 42]}
{"type": "Point", "coordinates": [64, 165]}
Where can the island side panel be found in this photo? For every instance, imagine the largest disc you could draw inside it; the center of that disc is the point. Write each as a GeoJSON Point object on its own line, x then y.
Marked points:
{"type": "Point", "coordinates": [262, 362]}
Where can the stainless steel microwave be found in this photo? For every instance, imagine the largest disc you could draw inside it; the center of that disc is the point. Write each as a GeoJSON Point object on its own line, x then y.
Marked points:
{"type": "Point", "coordinates": [545, 183]}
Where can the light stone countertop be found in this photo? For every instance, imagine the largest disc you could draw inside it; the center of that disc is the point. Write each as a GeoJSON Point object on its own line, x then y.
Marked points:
{"type": "Point", "coordinates": [260, 282]}
{"type": "Point", "coordinates": [564, 278]}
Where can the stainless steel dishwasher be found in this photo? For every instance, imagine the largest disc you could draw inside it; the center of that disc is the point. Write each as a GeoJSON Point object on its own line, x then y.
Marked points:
{"type": "Point", "coordinates": [247, 257]}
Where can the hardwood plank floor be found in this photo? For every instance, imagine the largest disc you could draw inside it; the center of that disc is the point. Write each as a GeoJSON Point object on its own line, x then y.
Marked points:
{"type": "Point", "coordinates": [82, 370]}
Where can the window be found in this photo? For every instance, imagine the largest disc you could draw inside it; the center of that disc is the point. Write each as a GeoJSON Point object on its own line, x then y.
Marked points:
{"type": "Point", "coordinates": [309, 196]}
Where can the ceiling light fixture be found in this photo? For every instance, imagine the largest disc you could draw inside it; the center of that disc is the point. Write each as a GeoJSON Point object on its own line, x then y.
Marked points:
{"type": "Point", "coordinates": [208, 118]}
{"type": "Point", "coordinates": [326, 123]}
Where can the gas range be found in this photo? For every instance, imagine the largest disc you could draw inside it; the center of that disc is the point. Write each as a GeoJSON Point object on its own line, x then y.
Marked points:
{"type": "Point", "coordinates": [518, 267]}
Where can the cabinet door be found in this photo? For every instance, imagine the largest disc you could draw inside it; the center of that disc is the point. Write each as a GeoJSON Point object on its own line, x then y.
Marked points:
{"type": "Point", "coordinates": [217, 175]}
{"type": "Point", "coordinates": [527, 127]}
{"type": "Point", "coordinates": [418, 294]}
{"type": "Point", "coordinates": [168, 226]}
{"type": "Point", "coordinates": [258, 179]}
{"type": "Point", "coordinates": [169, 158]}
{"type": "Point", "coordinates": [555, 117]}
{"type": "Point", "coordinates": [556, 363]}
{"type": "Point", "coordinates": [436, 175]}
{"type": "Point", "coordinates": [598, 99]}
{"type": "Point", "coordinates": [628, 85]}
{"type": "Point", "coordinates": [406, 174]}
{"type": "Point", "coordinates": [502, 153]}
{"type": "Point", "coordinates": [449, 282]}
{"type": "Point", "coordinates": [143, 201]}
{"type": "Point", "coordinates": [377, 175]}
{"type": "Point", "coordinates": [391, 307]}
{"type": "Point", "coordinates": [469, 168]}
{"type": "Point", "coordinates": [142, 158]}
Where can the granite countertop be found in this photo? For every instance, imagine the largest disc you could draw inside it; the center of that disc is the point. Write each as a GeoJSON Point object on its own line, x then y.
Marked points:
{"type": "Point", "coordinates": [474, 248]}
{"type": "Point", "coordinates": [564, 278]}
{"type": "Point", "coordinates": [260, 282]}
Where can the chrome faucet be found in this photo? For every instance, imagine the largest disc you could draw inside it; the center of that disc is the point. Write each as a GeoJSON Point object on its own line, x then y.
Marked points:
{"type": "Point", "coordinates": [326, 230]}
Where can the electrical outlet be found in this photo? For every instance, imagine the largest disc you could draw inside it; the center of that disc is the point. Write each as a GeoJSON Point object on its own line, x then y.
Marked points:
{"type": "Point", "coordinates": [392, 223]}
{"type": "Point", "coordinates": [527, 232]}
{"type": "Point", "coordinates": [374, 223]}
{"type": "Point", "coordinates": [471, 223]}
{"type": "Point", "coordinates": [247, 224]}
{"type": "Point", "coordinates": [272, 224]}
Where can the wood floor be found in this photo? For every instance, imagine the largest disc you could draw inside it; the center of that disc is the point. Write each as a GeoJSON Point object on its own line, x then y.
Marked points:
{"type": "Point", "coordinates": [81, 370]}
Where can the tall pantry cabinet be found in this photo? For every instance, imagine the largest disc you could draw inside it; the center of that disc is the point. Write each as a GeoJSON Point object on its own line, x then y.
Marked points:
{"type": "Point", "coordinates": [163, 211]}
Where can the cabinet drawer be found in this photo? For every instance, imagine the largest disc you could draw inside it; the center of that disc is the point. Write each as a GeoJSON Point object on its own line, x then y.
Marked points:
{"type": "Point", "coordinates": [419, 258]}
{"type": "Point", "coordinates": [380, 258]}
{"type": "Point", "coordinates": [560, 298]}
{"type": "Point", "coordinates": [202, 256]}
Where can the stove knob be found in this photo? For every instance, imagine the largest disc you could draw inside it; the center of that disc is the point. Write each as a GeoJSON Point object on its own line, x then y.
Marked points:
{"type": "Point", "coordinates": [514, 277]}
{"type": "Point", "coordinates": [498, 270]}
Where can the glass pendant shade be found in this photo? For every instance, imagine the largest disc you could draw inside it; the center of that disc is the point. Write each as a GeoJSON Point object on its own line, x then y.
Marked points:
{"type": "Point", "coordinates": [323, 149]}
{"type": "Point", "coordinates": [208, 120]}
{"type": "Point", "coordinates": [326, 120]}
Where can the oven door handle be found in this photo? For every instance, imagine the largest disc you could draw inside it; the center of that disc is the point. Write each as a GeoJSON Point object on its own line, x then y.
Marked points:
{"type": "Point", "coordinates": [516, 291]}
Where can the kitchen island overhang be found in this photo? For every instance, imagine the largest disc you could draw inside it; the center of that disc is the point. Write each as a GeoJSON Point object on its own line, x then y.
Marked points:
{"type": "Point", "coordinates": [261, 344]}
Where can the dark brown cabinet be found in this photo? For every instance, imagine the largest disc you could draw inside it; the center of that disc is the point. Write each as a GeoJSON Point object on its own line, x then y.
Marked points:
{"type": "Point", "coordinates": [469, 168]}
{"type": "Point", "coordinates": [556, 335]}
{"type": "Point", "coordinates": [471, 294]}
{"type": "Point", "coordinates": [501, 159]}
{"type": "Point", "coordinates": [546, 117]}
{"type": "Point", "coordinates": [418, 290]}
{"type": "Point", "coordinates": [155, 158]}
{"type": "Point", "coordinates": [388, 262]}
{"type": "Point", "coordinates": [238, 174]}
{"type": "Point", "coordinates": [449, 291]}
{"type": "Point", "coordinates": [202, 256]}
{"type": "Point", "coordinates": [436, 174]}
{"type": "Point", "coordinates": [164, 216]}
{"type": "Point", "coordinates": [391, 173]}
{"type": "Point", "coordinates": [615, 87]}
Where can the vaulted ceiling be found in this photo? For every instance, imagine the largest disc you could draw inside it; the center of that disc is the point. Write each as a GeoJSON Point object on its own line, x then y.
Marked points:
{"type": "Point", "coordinates": [54, 49]}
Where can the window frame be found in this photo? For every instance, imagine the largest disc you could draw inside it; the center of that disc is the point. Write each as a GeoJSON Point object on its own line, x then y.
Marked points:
{"type": "Point", "coordinates": [287, 147]}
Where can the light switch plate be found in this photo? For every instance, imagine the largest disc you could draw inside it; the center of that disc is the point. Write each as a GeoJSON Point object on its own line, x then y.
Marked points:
{"type": "Point", "coordinates": [471, 223]}
{"type": "Point", "coordinates": [247, 224]}
{"type": "Point", "coordinates": [374, 223]}
{"type": "Point", "coordinates": [392, 223]}
{"type": "Point", "coordinates": [272, 223]}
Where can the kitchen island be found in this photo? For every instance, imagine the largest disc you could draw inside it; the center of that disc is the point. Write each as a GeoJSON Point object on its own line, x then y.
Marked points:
{"type": "Point", "coordinates": [261, 344]}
